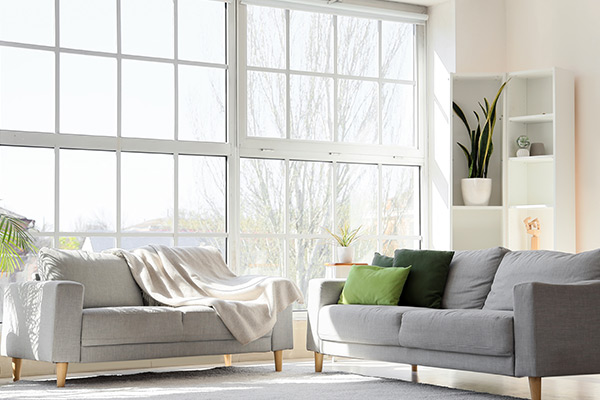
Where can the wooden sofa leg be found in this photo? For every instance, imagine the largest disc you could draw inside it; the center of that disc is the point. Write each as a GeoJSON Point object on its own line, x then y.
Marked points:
{"type": "Point", "coordinates": [16, 368]}
{"type": "Point", "coordinates": [227, 358]}
{"type": "Point", "coordinates": [61, 373]}
{"type": "Point", "coordinates": [318, 362]}
{"type": "Point", "coordinates": [414, 368]}
{"type": "Point", "coordinates": [278, 355]}
{"type": "Point", "coordinates": [535, 387]}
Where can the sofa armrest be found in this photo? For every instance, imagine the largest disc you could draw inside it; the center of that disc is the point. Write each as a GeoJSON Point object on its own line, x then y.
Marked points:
{"type": "Point", "coordinates": [556, 329]}
{"type": "Point", "coordinates": [42, 321]}
{"type": "Point", "coordinates": [282, 337]}
{"type": "Point", "coordinates": [321, 292]}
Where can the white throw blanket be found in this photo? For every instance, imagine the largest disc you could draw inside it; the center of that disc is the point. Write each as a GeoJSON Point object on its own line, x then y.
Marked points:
{"type": "Point", "coordinates": [183, 276]}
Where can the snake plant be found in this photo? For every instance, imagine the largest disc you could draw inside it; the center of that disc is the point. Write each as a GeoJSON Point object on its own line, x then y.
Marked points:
{"type": "Point", "coordinates": [478, 159]}
{"type": "Point", "coordinates": [15, 239]}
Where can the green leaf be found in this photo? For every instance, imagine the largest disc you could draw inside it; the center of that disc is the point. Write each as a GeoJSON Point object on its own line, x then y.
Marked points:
{"type": "Point", "coordinates": [14, 239]}
{"type": "Point", "coordinates": [463, 118]}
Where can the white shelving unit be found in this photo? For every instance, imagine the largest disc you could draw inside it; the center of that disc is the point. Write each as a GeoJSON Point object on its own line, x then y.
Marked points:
{"type": "Point", "coordinates": [540, 105]}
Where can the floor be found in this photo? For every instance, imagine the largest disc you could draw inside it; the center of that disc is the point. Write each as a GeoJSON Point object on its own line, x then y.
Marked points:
{"type": "Point", "coordinates": [584, 387]}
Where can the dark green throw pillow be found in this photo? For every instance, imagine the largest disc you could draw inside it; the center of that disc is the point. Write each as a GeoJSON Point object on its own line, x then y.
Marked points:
{"type": "Point", "coordinates": [382, 261]}
{"type": "Point", "coordinates": [369, 284]}
{"type": "Point", "coordinates": [427, 281]}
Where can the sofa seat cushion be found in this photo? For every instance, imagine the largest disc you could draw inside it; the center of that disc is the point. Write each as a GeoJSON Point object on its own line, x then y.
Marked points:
{"type": "Point", "coordinates": [127, 325]}
{"type": "Point", "coordinates": [202, 323]}
{"type": "Point", "coordinates": [540, 266]}
{"type": "Point", "coordinates": [482, 332]}
{"type": "Point", "coordinates": [361, 324]}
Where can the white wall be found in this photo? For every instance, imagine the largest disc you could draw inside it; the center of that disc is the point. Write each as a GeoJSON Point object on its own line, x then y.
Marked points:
{"type": "Point", "coordinates": [566, 33]}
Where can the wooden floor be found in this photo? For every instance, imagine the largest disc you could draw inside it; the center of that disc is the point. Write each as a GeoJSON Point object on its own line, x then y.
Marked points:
{"type": "Point", "coordinates": [582, 387]}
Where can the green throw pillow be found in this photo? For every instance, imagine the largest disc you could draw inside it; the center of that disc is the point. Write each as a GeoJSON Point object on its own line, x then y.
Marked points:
{"type": "Point", "coordinates": [428, 274]}
{"type": "Point", "coordinates": [382, 261]}
{"type": "Point", "coordinates": [369, 284]}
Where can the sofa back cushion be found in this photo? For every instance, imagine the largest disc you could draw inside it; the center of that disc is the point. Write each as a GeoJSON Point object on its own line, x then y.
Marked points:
{"type": "Point", "coordinates": [470, 277]}
{"type": "Point", "coordinates": [106, 278]}
{"type": "Point", "coordinates": [540, 266]}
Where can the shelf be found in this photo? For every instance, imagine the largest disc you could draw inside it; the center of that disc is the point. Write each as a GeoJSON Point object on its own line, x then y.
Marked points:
{"type": "Point", "coordinates": [477, 208]}
{"type": "Point", "coordinates": [533, 119]}
{"type": "Point", "coordinates": [530, 206]}
{"type": "Point", "coordinates": [532, 159]}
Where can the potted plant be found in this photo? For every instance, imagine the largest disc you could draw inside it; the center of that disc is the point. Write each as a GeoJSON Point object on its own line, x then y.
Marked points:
{"type": "Point", "coordinates": [477, 187]}
{"type": "Point", "coordinates": [345, 252]}
{"type": "Point", "coordinates": [15, 240]}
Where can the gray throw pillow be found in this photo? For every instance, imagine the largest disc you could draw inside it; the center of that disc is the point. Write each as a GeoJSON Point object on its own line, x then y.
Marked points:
{"type": "Point", "coordinates": [540, 266]}
{"type": "Point", "coordinates": [106, 278]}
{"type": "Point", "coordinates": [470, 277]}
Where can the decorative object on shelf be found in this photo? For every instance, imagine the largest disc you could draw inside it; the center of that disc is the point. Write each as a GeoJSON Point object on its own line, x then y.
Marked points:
{"type": "Point", "coordinates": [523, 143]}
{"type": "Point", "coordinates": [537, 149]}
{"type": "Point", "coordinates": [533, 228]}
{"type": "Point", "coordinates": [477, 187]}
{"type": "Point", "coordinates": [345, 253]}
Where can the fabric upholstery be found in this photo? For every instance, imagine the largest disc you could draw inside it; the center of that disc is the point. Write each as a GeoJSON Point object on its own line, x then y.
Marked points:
{"type": "Point", "coordinates": [427, 279]}
{"type": "Point", "coordinates": [432, 358]}
{"type": "Point", "coordinates": [470, 277]}
{"type": "Point", "coordinates": [42, 321]}
{"type": "Point", "coordinates": [361, 324]}
{"type": "Point", "coordinates": [382, 261]}
{"type": "Point", "coordinates": [106, 277]}
{"type": "Point", "coordinates": [203, 323]}
{"type": "Point", "coordinates": [556, 329]}
{"type": "Point", "coordinates": [282, 336]}
{"type": "Point", "coordinates": [459, 331]}
{"type": "Point", "coordinates": [321, 292]}
{"type": "Point", "coordinates": [123, 325]}
{"type": "Point", "coordinates": [540, 266]}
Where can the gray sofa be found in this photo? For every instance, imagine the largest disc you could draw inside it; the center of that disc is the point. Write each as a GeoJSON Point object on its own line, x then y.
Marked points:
{"type": "Point", "coordinates": [88, 308]}
{"type": "Point", "coordinates": [522, 313]}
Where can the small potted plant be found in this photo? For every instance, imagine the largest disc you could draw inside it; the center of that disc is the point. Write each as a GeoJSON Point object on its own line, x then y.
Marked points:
{"type": "Point", "coordinates": [346, 237]}
{"type": "Point", "coordinates": [477, 187]}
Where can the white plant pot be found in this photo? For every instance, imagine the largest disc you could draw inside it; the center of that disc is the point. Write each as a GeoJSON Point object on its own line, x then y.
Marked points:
{"type": "Point", "coordinates": [476, 191]}
{"type": "Point", "coordinates": [345, 254]}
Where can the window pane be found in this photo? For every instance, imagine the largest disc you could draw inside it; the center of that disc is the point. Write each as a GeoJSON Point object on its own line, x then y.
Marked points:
{"type": "Point", "coordinates": [27, 21]}
{"type": "Point", "coordinates": [146, 192]}
{"type": "Point", "coordinates": [266, 37]}
{"type": "Point", "coordinates": [148, 105]}
{"type": "Point", "coordinates": [266, 104]}
{"type": "Point", "coordinates": [261, 257]}
{"type": "Point", "coordinates": [400, 187]}
{"type": "Point", "coordinates": [311, 103]}
{"type": "Point", "coordinates": [131, 243]}
{"type": "Point", "coordinates": [389, 246]}
{"type": "Point", "coordinates": [202, 104]}
{"type": "Point", "coordinates": [310, 197]}
{"type": "Point", "coordinates": [93, 244]}
{"type": "Point", "coordinates": [397, 43]}
{"type": "Point", "coordinates": [262, 193]}
{"type": "Point", "coordinates": [307, 261]}
{"type": "Point", "coordinates": [88, 194]}
{"type": "Point", "coordinates": [364, 249]}
{"type": "Point", "coordinates": [88, 95]}
{"type": "Point", "coordinates": [89, 25]}
{"type": "Point", "coordinates": [357, 190]}
{"type": "Point", "coordinates": [357, 46]}
{"type": "Point", "coordinates": [27, 176]}
{"type": "Point", "coordinates": [398, 115]}
{"type": "Point", "coordinates": [311, 41]}
{"type": "Point", "coordinates": [26, 90]}
{"type": "Point", "coordinates": [147, 27]}
{"type": "Point", "coordinates": [217, 242]}
{"type": "Point", "coordinates": [202, 30]}
{"type": "Point", "coordinates": [202, 187]}
{"type": "Point", "coordinates": [357, 111]}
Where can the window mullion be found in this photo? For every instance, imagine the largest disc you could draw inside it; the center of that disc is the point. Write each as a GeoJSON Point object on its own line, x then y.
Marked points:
{"type": "Point", "coordinates": [335, 80]}
{"type": "Point", "coordinates": [288, 119]}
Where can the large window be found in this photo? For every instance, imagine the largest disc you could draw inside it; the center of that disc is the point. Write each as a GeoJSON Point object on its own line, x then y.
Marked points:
{"type": "Point", "coordinates": [193, 122]}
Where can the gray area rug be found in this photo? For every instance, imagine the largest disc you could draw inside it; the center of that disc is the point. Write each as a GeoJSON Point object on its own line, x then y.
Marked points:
{"type": "Point", "coordinates": [237, 383]}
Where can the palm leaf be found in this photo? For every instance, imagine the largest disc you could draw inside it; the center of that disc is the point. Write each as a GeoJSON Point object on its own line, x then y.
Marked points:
{"type": "Point", "coordinates": [14, 239]}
